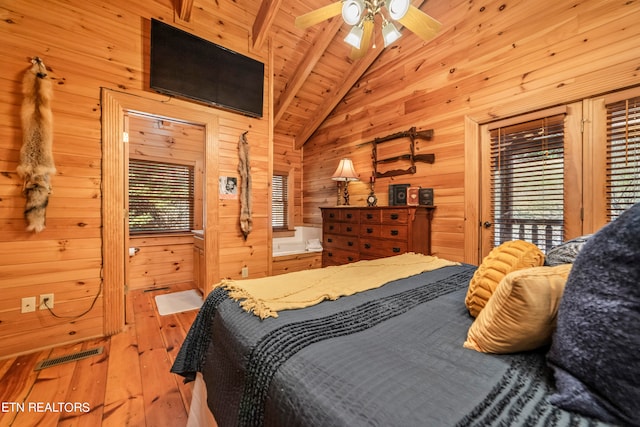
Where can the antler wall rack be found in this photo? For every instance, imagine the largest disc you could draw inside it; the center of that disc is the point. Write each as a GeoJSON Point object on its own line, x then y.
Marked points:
{"type": "Point", "coordinates": [412, 134]}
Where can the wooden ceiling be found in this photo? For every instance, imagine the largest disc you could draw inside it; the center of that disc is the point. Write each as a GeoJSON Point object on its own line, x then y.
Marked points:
{"type": "Point", "coordinates": [313, 70]}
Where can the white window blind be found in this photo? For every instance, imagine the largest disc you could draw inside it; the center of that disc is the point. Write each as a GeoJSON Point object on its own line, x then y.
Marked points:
{"type": "Point", "coordinates": [527, 173]}
{"type": "Point", "coordinates": [623, 156]}
{"type": "Point", "coordinates": [160, 197]}
{"type": "Point", "coordinates": [279, 202]}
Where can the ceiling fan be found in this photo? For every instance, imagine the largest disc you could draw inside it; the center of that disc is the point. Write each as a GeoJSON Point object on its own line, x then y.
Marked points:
{"type": "Point", "coordinates": [360, 14]}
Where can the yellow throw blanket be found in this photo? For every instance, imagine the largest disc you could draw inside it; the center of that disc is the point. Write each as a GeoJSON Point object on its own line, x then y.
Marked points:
{"type": "Point", "coordinates": [266, 296]}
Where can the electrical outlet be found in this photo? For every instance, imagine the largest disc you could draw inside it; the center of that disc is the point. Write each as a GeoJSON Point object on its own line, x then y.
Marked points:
{"type": "Point", "coordinates": [28, 305]}
{"type": "Point", "coordinates": [49, 298]}
{"type": "Point", "coordinates": [245, 271]}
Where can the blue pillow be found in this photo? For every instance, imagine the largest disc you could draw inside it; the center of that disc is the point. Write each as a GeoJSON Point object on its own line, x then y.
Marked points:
{"type": "Point", "coordinates": [566, 252]}
{"type": "Point", "coordinates": [595, 350]}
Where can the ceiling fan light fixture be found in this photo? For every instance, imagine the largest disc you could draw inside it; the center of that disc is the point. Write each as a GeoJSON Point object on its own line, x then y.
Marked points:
{"type": "Point", "coordinates": [398, 8]}
{"type": "Point", "coordinates": [390, 33]}
{"type": "Point", "coordinates": [354, 38]}
{"type": "Point", "coordinates": [352, 11]}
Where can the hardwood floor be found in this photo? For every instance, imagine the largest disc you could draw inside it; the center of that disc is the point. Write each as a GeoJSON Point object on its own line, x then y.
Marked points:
{"type": "Point", "coordinates": [129, 384]}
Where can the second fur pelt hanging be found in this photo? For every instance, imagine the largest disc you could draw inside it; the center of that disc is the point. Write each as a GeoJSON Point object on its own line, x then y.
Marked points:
{"type": "Point", "coordinates": [244, 168]}
{"type": "Point", "coordinates": [36, 154]}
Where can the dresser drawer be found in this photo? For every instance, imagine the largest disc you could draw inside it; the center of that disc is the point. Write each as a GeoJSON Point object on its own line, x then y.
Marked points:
{"type": "Point", "coordinates": [339, 256]}
{"type": "Point", "coordinates": [349, 215]}
{"type": "Point", "coordinates": [395, 216]}
{"type": "Point", "coordinates": [398, 232]}
{"type": "Point", "coordinates": [330, 227]}
{"type": "Point", "coordinates": [370, 216]}
{"type": "Point", "coordinates": [330, 215]}
{"type": "Point", "coordinates": [349, 229]}
{"type": "Point", "coordinates": [340, 242]}
{"type": "Point", "coordinates": [370, 230]}
{"type": "Point", "coordinates": [377, 248]}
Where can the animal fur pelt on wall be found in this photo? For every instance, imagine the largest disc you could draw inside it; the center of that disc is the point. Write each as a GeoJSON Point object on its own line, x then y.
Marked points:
{"type": "Point", "coordinates": [246, 223]}
{"type": "Point", "coordinates": [36, 155]}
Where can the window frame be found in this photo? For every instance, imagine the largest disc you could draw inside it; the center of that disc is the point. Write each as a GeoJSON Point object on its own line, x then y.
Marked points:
{"type": "Point", "coordinates": [289, 227]}
{"type": "Point", "coordinates": [587, 127]}
{"type": "Point", "coordinates": [573, 217]}
{"type": "Point", "coordinates": [193, 202]}
{"type": "Point", "coordinates": [595, 203]}
{"type": "Point", "coordinates": [519, 186]}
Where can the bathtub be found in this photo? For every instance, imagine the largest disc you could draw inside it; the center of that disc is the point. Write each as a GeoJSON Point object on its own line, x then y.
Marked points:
{"type": "Point", "coordinates": [284, 246]}
{"type": "Point", "coordinates": [285, 249]}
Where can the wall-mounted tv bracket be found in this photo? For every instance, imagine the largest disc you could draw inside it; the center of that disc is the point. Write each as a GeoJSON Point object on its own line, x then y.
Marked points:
{"type": "Point", "coordinates": [412, 134]}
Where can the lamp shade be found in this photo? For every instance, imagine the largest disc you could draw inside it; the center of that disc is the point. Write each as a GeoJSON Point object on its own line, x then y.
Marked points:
{"type": "Point", "coordinates": [390, 33]}
{"type": "Point", "coordinates": [354, 38]}
{"type": "Point", "coordinates": [345, 171]}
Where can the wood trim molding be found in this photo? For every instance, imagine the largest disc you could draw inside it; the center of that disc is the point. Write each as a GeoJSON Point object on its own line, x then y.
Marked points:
{"type": "Point", "coordinates": [561, 109]}
{"type": "Point", "coordinates": [472, 189]}
{"type": "Point", "coordinates": [113, 213]}
{"type": "Point", "coordinates": [114, 106]}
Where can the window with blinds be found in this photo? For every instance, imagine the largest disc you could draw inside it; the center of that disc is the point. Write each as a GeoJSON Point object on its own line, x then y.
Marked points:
{"type": "Point", "coordinates": [623, 156]}
{"type": "Point", "coordinates": [279, 202]}
{"type": "Point", "coordinates": [527, 173]}
{"type": "Point", "coordinates": [161, 197]}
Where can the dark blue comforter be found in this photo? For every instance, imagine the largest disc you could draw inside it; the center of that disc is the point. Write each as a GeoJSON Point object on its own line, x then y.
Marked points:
{"type": "Point", "coordinates": [391, 356]}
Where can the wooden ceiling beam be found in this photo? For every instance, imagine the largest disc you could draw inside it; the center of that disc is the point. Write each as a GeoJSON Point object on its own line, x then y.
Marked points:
{"type": "Point", "coordinates": [360, 66]}
{"type": "Point", "coordinates": [325, 36]}
{"type": "Point", "coordinates": [264, 20]}
{"type": "Point", "coordinates": [183, 8]}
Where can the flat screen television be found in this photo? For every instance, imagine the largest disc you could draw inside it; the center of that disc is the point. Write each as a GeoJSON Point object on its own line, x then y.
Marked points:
{"type": "Point", "coordinates": [187, 66]}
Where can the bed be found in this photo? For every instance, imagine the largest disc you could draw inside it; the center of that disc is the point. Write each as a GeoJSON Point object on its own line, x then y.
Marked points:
{"type": "Point", "coordinates": [387, 356]}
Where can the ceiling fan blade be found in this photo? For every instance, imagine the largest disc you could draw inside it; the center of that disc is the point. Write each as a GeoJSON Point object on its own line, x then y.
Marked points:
{"type": "Point", "coordinates": [367, 35]}
{"type": "Point", "coordinates": [420, 23]}
{"type": "Point", "coordinates": [319, 15]}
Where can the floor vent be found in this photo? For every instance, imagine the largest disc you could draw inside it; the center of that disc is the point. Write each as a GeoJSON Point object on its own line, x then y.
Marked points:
{"type": "Point", "coordinates": [68, 358]}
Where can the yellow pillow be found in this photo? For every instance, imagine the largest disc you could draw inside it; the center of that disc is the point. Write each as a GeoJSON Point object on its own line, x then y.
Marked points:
{"type": "Point", "coordinates": [502, 260]}
{"type": "Point", "coordinates": [521, 314]}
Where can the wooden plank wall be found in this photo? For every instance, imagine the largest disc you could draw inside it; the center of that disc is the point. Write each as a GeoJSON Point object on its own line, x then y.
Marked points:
{"type": "Point", "coordinates": [491, 60]}
{"type": "Point", "coordinates": [88, 45]}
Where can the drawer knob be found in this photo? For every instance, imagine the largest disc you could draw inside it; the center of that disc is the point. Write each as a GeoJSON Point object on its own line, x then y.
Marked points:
{"type": "Point", "coordinates": [394, 232]}
{"type": "Point", "coordinates": [396, 250]}
{"type": "Point", "coordinates": [331, 215]}
{"type": "Point", "coordinates": [349, 215]}
{"type": "Point", "coordinates": [367, 246]}
{"type": "Point", "coordinates": [350, 258]}
{"type": "Point", "coordinates": [329, 240]}
{"type": "Point", "coordinates": [329, 253]}
{"type": "Point", "coordinates": [349, 229]}
{"type": "Point", "coordinates": [369, 230]}
{"type": "Point", "coordinates": [331, 227]}
{"type": "Point", "coordinates": [369, 216]}
{"type": "Point", "coordinates": [394, 216]}
{"type": "Point", "coordinates": [349, 243]}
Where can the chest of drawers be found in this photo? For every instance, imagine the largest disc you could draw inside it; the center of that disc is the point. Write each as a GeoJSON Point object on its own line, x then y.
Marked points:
{"type": "Point", "coordinates": [352, 234]}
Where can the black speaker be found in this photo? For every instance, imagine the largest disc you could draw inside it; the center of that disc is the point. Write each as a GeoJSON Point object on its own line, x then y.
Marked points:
{"type": "Point", "coordinates": [413, 194]}
{"type": "Point", "coordinates": [425, 196]}
{"type": "Point", "coordinates": [398, 194]}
